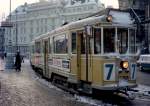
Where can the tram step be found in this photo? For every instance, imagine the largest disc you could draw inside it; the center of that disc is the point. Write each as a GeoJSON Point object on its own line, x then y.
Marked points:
{"type": "Point", "coordinates": [89, 92]}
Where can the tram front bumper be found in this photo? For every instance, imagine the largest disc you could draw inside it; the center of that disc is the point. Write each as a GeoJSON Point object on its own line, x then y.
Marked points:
{"type": "Point", "coordinates": [114, 87]}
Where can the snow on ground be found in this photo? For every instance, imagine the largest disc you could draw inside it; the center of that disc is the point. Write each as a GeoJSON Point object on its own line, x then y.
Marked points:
{"type": "Point", "coordinates": [91, 101]}
{"type": "Point", "coordinates": [142, 89]}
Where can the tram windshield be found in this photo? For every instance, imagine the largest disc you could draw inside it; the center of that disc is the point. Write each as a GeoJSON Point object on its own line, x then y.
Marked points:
{"type": "Point", "coordinates": [126, 42]}
{"type": "Point", "coordinates": [132, 41]}
{"type": "Point", "coordinates": [122, 40]}
{"type": "Point", "coordinates": [109, 40]}
{"type": "Point", "coordinates": [97, 40]}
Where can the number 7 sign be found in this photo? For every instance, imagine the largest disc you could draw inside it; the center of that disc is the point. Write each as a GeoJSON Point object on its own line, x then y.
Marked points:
{"type": "Point", "coordinates": [109, 72]}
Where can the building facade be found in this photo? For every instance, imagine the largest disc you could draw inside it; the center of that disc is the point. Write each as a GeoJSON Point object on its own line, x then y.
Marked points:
{"type": "Point", "coordinates": [32, 20]}
{"type": "Point", "coordinates": [147, 21]}
{"type": "Point", "coordinates": [139, 11]}
{"type": "Point", "coordinates": [2, 32]}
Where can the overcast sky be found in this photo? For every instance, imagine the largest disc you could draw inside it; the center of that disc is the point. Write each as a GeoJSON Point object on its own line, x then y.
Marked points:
{"type": "Point", "coordinates": [4, 5]}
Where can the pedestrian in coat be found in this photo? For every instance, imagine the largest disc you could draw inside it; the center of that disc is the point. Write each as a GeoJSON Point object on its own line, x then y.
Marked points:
{"type": "Point", "coordinates": [18, 62]}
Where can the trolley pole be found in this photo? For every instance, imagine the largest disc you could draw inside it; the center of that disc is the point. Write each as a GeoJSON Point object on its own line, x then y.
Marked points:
{"type": "Point", "coordinates": [87, 49]}
{"type": "Point", "coordinates": [87, 35]}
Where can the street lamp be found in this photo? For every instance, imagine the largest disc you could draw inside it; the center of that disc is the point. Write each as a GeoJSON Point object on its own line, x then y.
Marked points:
{"type": "Point", "coordinates": [16, 30]}
{"type": "Point", "coordinates": [9, 59]}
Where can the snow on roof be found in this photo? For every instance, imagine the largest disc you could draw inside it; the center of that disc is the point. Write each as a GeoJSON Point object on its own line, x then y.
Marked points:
{"type": "Point", "coordinates": [121, 17]}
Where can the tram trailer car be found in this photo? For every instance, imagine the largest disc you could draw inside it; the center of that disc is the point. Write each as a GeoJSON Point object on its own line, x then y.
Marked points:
{"type": "Point", "coordinates": [96, 53]}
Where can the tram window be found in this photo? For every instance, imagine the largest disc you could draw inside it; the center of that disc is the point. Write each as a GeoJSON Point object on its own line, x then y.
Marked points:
{"type": "Point", "coordinates": [74, 42]}
{"type": "Point", "coordinates": [97, 40]}
{"type": "Point", "coordinates": [32, 49]}
{"type": "Point", "coordinates": [109, 39]}
{"type": "Point", "coordinates": [60, 44]}
{"type": "Point", "coordinates": [123, 40]}
{"type": "Point", "coordinates": [82, 43]}
{"type": "Point", "coordinates": [132, 41]}
{"type": "Point", "coordinates": [37, 46]}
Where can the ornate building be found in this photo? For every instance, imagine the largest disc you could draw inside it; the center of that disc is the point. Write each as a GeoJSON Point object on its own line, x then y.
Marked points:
{"type": "Point", "coordinates": [135, 4]}
{"type": "Point", "coordinates": [31, 20]}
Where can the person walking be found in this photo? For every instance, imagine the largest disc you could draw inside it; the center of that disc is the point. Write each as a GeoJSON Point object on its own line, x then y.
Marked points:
{"type": "Point", "coordinates": [18, 62]}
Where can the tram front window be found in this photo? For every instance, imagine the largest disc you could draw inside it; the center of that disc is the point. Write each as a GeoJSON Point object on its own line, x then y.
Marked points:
{"type": "Point", "coordinates": [97, 40]}
{"type": "Point", "coordinates": [109, 39]}
{"type": "Point", "coordinates": [132, 41]}
{"type": "Point", "coordinates": [82, 43]}
{"type": "Point", "coordinates": [122, 40]}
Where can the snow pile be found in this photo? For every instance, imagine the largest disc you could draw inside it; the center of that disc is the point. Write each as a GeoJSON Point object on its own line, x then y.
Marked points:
{"type": "Point", "coordinates": [90, 101]}
{"type": "Point", "coordinates": [142, 89]}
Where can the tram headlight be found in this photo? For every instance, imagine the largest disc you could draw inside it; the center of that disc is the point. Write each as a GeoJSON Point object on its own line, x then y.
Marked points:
{"type": "Point", "coordinates": [124, 64]}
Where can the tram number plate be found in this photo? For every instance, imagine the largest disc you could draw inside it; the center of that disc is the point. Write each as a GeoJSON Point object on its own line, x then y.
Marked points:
{"type": "Point", "coordinates": [123, 82]}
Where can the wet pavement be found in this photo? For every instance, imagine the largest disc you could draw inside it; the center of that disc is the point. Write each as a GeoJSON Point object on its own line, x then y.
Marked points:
{"type": "Point", "coordinates": [143, 77]}
{"type": "Point", "coordinates": [25, 88]}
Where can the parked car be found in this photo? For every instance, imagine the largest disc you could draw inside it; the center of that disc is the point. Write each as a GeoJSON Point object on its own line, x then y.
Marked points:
{"type": "Point", "coordinates": [144, 62]}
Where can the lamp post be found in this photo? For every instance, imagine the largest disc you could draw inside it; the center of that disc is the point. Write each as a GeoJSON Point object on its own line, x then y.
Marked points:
{"type": "Point", "coordinates": [16, 30]}
{"type": "Point", "coordinates": [10, 57]}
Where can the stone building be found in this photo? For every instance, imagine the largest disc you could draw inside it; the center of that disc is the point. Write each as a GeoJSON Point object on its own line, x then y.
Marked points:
{"type": "Point", "coordinates": [147, 21]}
{"type": "Point", "coordinates": [31, 20]}
{"type": "Point", "coordinates": [139, 11]}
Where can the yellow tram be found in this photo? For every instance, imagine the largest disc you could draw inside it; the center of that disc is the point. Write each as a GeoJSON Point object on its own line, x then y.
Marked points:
{"type": "Point", "coordinates": [98, 52]}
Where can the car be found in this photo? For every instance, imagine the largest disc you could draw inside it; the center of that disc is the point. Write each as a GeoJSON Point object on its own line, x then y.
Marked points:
{"type": "Point", "coordinates": [144, 62]}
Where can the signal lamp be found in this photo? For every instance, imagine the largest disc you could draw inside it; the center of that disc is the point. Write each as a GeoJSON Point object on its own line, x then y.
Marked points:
{"type": "Point", "coordinates": [109, 18]}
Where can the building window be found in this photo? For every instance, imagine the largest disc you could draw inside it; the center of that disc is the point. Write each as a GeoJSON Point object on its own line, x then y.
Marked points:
{"type": "Point", "coordinates": [31, 30]}
{"type": "Point", "coordinates": [31, 37]}
{"type": "Point", "coordinates": [37, 29]}
{"type": "Point", "coordinates": [41, 29]}
{"type": "Point", "coordinates": [45, 21]}
{"type": "Point", "coordinates": [45, 28]}
{"type": "Point", "coordinates": [31, 22]}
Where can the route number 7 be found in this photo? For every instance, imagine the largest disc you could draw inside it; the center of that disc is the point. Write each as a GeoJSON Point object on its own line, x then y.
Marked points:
{"type": "Point", "coordinates": [109, 72]}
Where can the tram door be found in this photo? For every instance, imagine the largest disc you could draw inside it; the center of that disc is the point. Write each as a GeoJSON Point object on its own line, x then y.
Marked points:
{"type": "Point", "coordinates": [46, 58]}
{"type": "Point", "coordinates": [84, 58]}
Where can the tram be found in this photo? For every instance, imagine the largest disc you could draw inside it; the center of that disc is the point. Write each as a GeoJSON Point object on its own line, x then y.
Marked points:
{"type": "Point", "coordinates": [95, 53]}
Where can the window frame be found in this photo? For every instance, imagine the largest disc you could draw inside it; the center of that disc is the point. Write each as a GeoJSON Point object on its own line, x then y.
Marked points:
{"type": "Point", "coordinates": [54, 44]}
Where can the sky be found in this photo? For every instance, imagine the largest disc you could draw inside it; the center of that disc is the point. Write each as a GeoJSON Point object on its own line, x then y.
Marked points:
{"type": "Point", "coordinates": [5, 4]}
